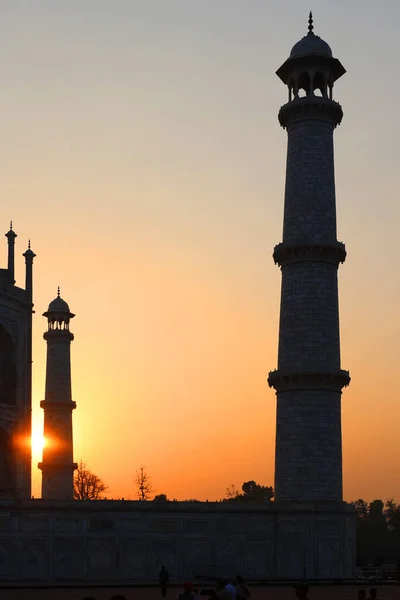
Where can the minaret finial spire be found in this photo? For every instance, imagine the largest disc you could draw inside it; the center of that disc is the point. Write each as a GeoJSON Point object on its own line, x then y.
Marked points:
{"type": "Point", "coordinates": [10, 225]}
{"type": "Point", "coordinates": [58, 292]}
{"type": "Point", "coordinates": [29, 244]}
{"type": "Point", "coordinates": [310, 24]}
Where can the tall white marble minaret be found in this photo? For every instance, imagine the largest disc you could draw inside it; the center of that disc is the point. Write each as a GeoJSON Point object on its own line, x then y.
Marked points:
{"type": "Point", "coordinates": [58, 466]}
{"type": "Point", "coordinates": [309, 378]}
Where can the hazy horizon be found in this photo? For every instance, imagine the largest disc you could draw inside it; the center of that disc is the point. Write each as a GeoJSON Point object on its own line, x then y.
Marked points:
{"type": "Point", "coordinates": [142, 155]}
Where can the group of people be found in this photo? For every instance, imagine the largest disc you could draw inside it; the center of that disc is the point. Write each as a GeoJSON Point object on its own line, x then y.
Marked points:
{"type": "Point", "coordinates": [373, 594]}
{"type": "Point", "coordinates": [301, 592]}
{"type": "Point", "coordinates": [224, 590]}
{"type": "Point", "coordinates": [232, 590]}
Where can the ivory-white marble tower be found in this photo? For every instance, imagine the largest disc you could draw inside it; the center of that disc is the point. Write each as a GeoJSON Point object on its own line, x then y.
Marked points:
{"type": "Point", "coordinates": [58, 466]}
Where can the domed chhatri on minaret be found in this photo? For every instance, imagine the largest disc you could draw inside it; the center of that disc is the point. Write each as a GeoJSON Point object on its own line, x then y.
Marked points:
{"type": "Point", "coordinates": [57, 465]}
{"type": "Point", "coordinates": [310, 67]}
{"type": "Point", "coordinates": [309, 378]}
{"type": "Point", "coordinates": [58, 313]}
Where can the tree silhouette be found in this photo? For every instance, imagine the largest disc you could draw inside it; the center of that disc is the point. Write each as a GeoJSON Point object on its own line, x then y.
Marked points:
{"type": "Point", "coordinates": [251, 492]}
{"type": "Point", "coordinates": [160, 498]}
{"type": "Point", "coordinates": [87, 485]}
{"type": "Point", "coordinates": [144, 487]}
{"type": "Point", "coordinates": [231, 492]}
{"type": "Point", "coordinates": [377, 532]}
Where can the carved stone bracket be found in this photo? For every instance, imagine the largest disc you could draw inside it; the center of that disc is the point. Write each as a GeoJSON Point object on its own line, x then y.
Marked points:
{"type": "Point", "coordinates": [285, 254]}
{"type": "Point", "coordinates": [310, 107]}
{"type": "Point", "coordinates": [335, 380]}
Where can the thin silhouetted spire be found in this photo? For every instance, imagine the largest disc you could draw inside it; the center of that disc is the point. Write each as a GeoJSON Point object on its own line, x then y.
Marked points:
{"type": "Point", "coordinates": [58, 292]}
{"type": "Point", "coordinates": [11, 235]}
{"type": "Point", "coordinates": [310, 24]}
{"type": "Point", "coordinates": [29, 256]}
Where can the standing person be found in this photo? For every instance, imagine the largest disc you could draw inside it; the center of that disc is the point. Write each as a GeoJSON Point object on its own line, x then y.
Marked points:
{"type": "Point", "coordinates": [242, 591]}
{"type": "Point", "coordinates": [301, 591]}
{"type": "Point", "coordinates": [362, 595]}
{"type": "Point", "coordinates": [231, 587]}
{"type": "Point", "coordinates": [222, 592]}
{"type": "Point", "coordinates": [373, 594]}
{"type": "Point", "coordinates": [163, 580]}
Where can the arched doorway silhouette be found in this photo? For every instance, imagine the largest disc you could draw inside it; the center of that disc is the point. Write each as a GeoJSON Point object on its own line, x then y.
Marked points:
{"type": "Point", "coordinates": [8, 397]}
{"type": "Point", "coordinates": [7, 473]}
{"type": "Point", "coordinates": [8, 369]}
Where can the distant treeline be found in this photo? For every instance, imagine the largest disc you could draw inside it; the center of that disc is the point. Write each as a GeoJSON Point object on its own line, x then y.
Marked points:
{"type": "Point", "coordinates": [378, 532]}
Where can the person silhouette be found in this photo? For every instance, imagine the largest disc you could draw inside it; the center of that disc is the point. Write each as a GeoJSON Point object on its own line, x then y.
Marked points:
{"type": "Point", "coordinates": [373, 594]}
{"type": "Point", "coordinates": [222, 592]}
{"type": "Point", "coordinates": [362, 595]}
{"type": "Point", "coordinates": [242, 591]}
{"type": "Point", "coordinates": [163, 580]}
{"type": "Point", "coordinates": [301, 591]}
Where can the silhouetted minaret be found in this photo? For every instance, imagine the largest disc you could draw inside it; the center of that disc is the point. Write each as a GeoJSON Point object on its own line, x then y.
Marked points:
{"type": "Point", "coordinates": [58, 465]}
{"type": "Point", "coordinates": [29, 256]}
{"type": "Point", "coordinates": [11, 235]}
{"type": "Point", "coordinates": [309, 378]}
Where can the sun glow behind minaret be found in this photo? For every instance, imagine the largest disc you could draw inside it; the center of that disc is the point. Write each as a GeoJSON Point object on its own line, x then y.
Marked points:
{"type": "Point", "coordinates": [38, 443]}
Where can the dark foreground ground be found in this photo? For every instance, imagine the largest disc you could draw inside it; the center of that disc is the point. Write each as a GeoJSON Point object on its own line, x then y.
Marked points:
{"type": "Point", "coordinates": [270, 593]}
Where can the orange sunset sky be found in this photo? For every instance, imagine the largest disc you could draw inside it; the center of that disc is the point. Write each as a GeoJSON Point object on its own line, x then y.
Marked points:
{"type": "Point", "coordinates": [141, 153]}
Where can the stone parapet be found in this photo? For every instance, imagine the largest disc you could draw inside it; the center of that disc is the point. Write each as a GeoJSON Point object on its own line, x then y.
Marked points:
{"type": "Point", "coordinates": [127, 541]}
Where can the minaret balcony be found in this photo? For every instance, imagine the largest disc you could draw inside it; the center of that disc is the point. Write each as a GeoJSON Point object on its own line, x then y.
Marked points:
{"type": "Point", "coordinates": [334, 380]}
{"type": "Point", "coordinates": [334, 252]}
{"type": "Point", "coordinates": [310, 107]}
{"type": "Point", "coordinates": [57, 405]}
{"type": "Point", "coordinates": [50, 466]}
{"type": "Point", "coordinates": [58, 335]}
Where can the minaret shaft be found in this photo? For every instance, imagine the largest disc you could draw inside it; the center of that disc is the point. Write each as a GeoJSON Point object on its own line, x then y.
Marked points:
{"type": "Point", "coordinates": [57, 465]}
{"type": "Point", "coordinates": [309, 311]}
{"type": "Point", "coordinates": [58, 367]}
{"type": "Point", "coordinates": [310, 204]}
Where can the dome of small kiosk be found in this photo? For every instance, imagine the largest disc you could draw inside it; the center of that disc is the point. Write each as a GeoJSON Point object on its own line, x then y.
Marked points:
{"type": "Point", "coordinates": [58, 305]}
{"type": "Point", "coordinates": [311, 45]}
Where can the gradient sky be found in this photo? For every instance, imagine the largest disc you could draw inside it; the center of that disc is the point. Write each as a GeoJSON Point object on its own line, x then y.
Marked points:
{"type": "Point", "coordinates": [141, 153]}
